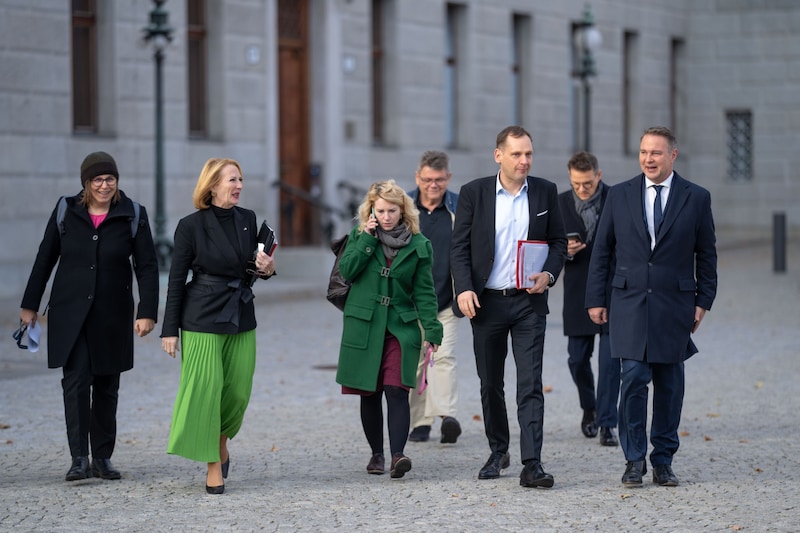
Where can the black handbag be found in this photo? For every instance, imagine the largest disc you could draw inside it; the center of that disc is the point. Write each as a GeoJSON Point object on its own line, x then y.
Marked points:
{"type": "Point", "coordinates": [338, 287]}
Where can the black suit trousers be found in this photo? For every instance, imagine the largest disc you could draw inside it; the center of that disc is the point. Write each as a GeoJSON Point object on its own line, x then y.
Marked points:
{"type": "Point", "coordinates": [498, 316]}
{"type": "Point", "coordinates": [90, 404]}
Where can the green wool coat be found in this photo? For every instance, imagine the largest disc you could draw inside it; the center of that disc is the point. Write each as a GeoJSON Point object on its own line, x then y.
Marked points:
{"type": "Point", "coordinates": [407, 288]}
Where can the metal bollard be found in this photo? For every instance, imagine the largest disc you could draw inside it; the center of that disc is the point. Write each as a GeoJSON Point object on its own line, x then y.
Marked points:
{"type": "Point", "coordinates": [779, 242]}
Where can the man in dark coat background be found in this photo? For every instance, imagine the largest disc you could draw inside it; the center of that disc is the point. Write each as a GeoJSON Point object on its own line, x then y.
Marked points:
{"type": "Point", "coordinates": [581, 207]}
{"type": "Point", "coordinates": [659, 230]}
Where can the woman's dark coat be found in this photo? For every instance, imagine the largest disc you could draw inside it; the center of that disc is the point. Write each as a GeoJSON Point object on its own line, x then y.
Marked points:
{"type": "Point", "coordinates": [92, 287]}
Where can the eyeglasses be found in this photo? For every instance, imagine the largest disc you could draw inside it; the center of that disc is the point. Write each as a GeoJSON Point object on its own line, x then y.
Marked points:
{"type": "Point", "coordinates": [437, 181]}
{"type": "Point", "coordinates": [19, 333]}
{"type": "Point", "coordinates": [99, 181]}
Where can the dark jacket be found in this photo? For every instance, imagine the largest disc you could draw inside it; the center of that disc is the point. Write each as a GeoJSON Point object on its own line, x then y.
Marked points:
{"type": "Point", "coordinates": [575, 317]}
{"type": "Point", "coordinates": [92, 287]}
{"type": "Point", "coordinates": [654, 293]}
{"type": "Point", "coordinates": [450, 200]}
{"type": "Point", "coordinates": [472, 251]}
{"type": "Point", "coordinates": [442, 275]}
{"type": "Point", "coordinates": [399, 301]}
{"type": "Point", "coordinates": [217, 298]}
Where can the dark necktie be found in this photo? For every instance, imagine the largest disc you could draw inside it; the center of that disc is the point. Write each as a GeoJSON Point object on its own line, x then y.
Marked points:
{"type": "Point", "coordinates": [658, 213]}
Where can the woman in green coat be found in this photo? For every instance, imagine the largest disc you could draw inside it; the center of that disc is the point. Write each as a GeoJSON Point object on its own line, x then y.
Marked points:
{"type": "Point", "coordinates": [390, 310]}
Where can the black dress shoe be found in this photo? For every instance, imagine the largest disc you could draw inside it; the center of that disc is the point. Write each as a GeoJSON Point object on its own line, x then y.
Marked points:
{"type": "Point", "coordinates": [102, 468]}
{"type": "Point", "coordinates": [664, 476]}
{"type": "Point", "coordinates": [588, 424]}
{"type": "Point", "coordinates": [533, 475]}
{"type": "Point", "coordinates": [420, 434]}
{"type": "Point", "coordinates": [607, 437]}
{"type": "Point", "coordinates": [634, 472]}
{"type": "Point", "coordinates": [225, 466]}
{"type": "Point", "coordinates": [219, 489]}
{"type": "Point", "coordinates": [497, 461]}
{"type": "Point", "coordinates": [451, 429]}
{"type": "Point", "coordinates": [79, 469]}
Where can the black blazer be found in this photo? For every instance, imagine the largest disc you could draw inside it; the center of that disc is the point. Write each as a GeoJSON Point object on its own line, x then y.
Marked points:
{"type": "Point", "coordinates": [575, 316]}
{"type": "Point", "coordinates": [202, 246]}
{"type": "Point", "coordinates": [472, 248]}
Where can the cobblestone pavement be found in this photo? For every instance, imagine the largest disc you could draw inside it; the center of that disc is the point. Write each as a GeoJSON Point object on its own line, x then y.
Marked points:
{"type": "Point", "coordinates": [299, 462]}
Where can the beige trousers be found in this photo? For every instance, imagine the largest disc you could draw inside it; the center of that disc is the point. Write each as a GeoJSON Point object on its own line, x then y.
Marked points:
{"type": "Point", "coordinates": [441, 395]}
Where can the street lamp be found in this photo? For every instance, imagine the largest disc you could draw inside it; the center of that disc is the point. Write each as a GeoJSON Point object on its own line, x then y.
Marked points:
{"type": "Point", "coordinates": [587, 40]}
{"type": "Point", "coordinates": [159, 34]}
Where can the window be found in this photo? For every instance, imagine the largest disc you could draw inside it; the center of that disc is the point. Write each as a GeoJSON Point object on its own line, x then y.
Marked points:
{"type": "Point", "coordinates": [739, 134]}
{"type": "Point", "coordinates": [84, 66]}
{"type": "Point", "coordinates": [630, 140]}
{"type": "Point", "coordinates": [453, 62]}
{"type": "Point", "coordinates": [520, 66]}
{"type": "Point", "coordinates": [677, 86]}
{"type": "Point", "coordinates": [197, 63]}
{"type": "Point", "coordinates": [378, 67]}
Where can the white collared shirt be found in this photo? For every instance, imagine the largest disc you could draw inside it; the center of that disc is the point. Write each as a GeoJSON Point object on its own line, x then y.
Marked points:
{"type": "Point", "coordinates": [650, 197]}
{"type": "Point", "coordinates": [511, 220]}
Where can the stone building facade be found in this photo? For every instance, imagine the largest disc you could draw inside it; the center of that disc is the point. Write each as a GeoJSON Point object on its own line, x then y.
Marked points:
{"type": "Point", "coordinates": [318, 98]}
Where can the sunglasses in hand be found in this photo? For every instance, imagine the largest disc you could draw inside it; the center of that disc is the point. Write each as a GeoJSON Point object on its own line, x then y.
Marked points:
{"type": "Point", "coordinates": [19, 334]}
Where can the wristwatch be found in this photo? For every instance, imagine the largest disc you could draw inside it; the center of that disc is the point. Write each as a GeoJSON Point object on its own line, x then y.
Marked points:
{"type": "Point", "coordinates": [552, 279]}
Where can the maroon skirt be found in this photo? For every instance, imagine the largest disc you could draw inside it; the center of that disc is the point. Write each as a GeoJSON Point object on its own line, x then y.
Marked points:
{"type": "Point", "coordinates": [390, 372]}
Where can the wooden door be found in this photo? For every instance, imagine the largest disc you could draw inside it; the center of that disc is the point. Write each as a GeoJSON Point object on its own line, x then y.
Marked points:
{"type": "Point", "coordinates": [299, 222]}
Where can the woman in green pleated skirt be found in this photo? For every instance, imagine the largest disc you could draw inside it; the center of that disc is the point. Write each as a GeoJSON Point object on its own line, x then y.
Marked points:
{"type": "Point", "coordinates": [215, 318]}
{"type": "Point", "coordinates": [216, 380]}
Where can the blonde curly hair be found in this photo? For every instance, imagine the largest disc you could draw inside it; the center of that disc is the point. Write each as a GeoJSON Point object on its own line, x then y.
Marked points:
{"type": "Point", "coordinates": [389, 191]}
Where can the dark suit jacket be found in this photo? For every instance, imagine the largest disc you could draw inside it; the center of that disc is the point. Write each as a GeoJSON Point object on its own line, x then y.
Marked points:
{"type": "Point", "coordinates": [654, 294]}
{"type": "Point", "coordinates": [575, 317]}
{"type": "Point", "coordinates": [202, 246]}
{"type": "Point", "coordinates": [472, 249]}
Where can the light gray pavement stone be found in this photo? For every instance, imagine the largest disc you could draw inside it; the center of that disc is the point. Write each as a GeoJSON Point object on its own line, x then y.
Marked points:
{"type": "Point", "coordinates": [299, 462]}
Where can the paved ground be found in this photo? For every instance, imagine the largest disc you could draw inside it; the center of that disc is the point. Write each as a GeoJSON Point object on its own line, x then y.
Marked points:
{"type": "Point", "coordinates": [299, 462]}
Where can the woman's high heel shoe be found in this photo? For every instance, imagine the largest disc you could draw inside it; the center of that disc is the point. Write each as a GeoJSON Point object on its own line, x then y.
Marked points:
{"type": "Point", "coordinates": [216, 490]}
{"type": "Point", "coordinates": [225, 466]}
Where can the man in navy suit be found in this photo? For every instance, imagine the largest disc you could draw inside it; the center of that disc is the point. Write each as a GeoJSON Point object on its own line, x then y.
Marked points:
{"type": "Point", "coordinates": [659, 229]}
{"type": "Point", "coordinates": [493, 214]}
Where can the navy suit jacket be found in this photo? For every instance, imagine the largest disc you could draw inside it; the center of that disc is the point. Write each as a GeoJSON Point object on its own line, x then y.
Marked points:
{"type": "Point", "coordinates": [472, 247]}
{"type": "Point", "coordinates": [654, 293]}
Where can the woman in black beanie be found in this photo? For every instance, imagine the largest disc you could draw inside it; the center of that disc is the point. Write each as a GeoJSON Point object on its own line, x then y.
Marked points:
{"type": "Point", "coordinates": [91, 324]}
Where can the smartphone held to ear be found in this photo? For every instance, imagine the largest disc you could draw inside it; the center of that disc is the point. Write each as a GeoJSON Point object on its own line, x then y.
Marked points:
{"type": "Point", "coordinates": [373, 231]}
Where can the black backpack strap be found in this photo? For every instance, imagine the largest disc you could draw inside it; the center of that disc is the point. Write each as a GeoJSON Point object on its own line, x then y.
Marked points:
{"type": "Point", "coordinates": [61, 211]}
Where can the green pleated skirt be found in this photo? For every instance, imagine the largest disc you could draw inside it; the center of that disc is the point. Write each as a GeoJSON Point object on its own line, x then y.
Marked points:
{"type": "Point", "coordinates": [216, 381]}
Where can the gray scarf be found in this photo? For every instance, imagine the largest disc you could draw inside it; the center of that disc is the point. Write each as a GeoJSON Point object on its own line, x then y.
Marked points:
{"type": "Point", "coordinates": [393, 240]}
{"type": "Point", "coordinates": [589, 210]}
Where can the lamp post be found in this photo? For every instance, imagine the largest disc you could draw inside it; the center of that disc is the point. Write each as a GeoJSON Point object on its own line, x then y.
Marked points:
{"type": "Point", "coordinates": [587, 40]}
{"type": "Point", "coordinates": [159, 34]}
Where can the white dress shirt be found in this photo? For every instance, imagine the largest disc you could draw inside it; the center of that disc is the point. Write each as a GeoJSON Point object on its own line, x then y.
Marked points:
{"type": "Point", "coordinates": [650, 197]}
{"type": "Point", "coordinates": [511, 220]}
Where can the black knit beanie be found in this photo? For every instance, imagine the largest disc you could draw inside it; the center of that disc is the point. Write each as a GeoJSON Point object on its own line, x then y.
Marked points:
{"type": "Point", "coordinates": [97, 164]}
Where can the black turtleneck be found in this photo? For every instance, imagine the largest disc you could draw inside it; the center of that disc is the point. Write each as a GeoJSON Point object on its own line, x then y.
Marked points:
{"type": "Point", "coordinates": [225, 218]}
